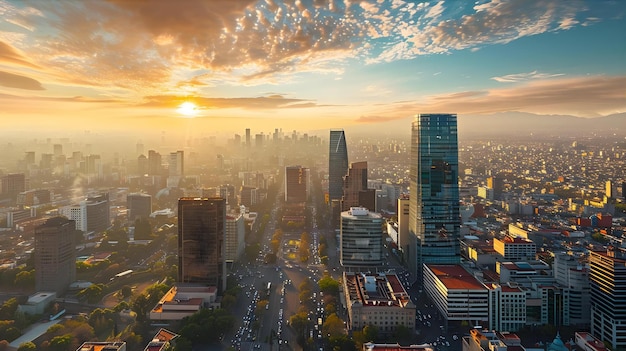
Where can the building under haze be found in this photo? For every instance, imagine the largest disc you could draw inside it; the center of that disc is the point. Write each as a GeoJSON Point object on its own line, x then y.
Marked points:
{"type": "Point", "coordinates": [297, 184]}
{"type": "Point", "coordinates": [139, 206]}
{"type": "Point", "coordinates": [13, 184]}
{"type": "Point", "coordinates": [55, 255]}
{"type": "Point", "coordinates": [434, 220]}
{"type": "Point", "coordinates": [91, 215]}
{"type": "Point", "coordinates": [360, 239]}
{"type": "Point", "coordinates": [607, 275]}
{"type": "Point", "coordinates": [337, 164]}
{"type": "Point", "coordinates": [201, 231]}
{"type": "Point", "coordinates": [355, 191]}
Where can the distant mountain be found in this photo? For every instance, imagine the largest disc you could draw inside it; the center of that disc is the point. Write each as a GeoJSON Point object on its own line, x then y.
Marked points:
{"type": "Point", "coordinates": [508, 124]}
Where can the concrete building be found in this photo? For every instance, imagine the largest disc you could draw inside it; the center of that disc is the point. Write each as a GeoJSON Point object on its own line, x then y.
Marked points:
{"type": "Point", "coordinates": [507, 307]}
{"type": "Point", "coordinates": [55, 255]}
{"type": "Point", "coordinates": [234, 237]}
{"type": "Point", "coordinates": [38, 302]}
{"type": "Point", "coordinates": [183, 301]}
{"type": "Point", "coordinates": [515, 249]}
{"type": "Point", "coordinates": [102, 346]}
{"type": "Point", "coordinates": [201, 231]}
{"type": "Point", "coordinates": [360, 239]}
{"type": "Point", "coordinates": [370, 346]}
{"type": "Point", "coordinates": [434, 192]}
{"type": "Point", "coordinates": [456, 293]}
{"type": "Point", "coordinates": [379, 300]}
{"type": "Point", "coordinates": [607, 275]}
{"type": "Point", "coordinates": [12, 184]}
{"type": "Point", "coordinates": [355, 191]}
{"type": "Point", "coordinates": [403, 223]}
{"type": "Point", "coordinates": [34, 197]}
{"type": "Point", "coordinates": [573, 275]}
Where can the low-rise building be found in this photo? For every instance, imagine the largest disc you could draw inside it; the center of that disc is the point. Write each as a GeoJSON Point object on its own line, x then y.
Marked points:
{"type": "Point", "coordinates": [102, 346]}
{"type": "Point", "coordinates": [182, 301]}
{"type": "Point", "coordinates": [515, 248]}
{"type": "Point", "coordinates": [379, 300]}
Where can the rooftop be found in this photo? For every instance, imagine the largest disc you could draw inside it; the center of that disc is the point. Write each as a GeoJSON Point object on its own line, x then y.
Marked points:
{"type": "Point", "coordinates": [455, 277]}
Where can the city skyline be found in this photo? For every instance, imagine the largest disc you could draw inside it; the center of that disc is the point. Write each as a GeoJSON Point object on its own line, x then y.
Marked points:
{"type": "Point", "coordinates": [205, 67]}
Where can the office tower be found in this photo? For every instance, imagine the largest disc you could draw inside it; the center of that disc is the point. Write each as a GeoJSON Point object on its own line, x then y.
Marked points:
{"type": "Point", "coordinates": [355, 192]}
{"type": "Point", "coordinates": [496, 183]}
{"type": "Point", "coordinates": [337, 164]}
{"type": "Point", "coordinates": [248, 141]}
{"type": "Point", "coordinates": [403, 223]}
{"type": "Point", "coordinates": [58, 149]}
{"type": "Point", "coordinates": [360, 239]}
{"type": "Point", "coordinates": [234, 237]}
{"type": "Point", "coordinates": [13, 184]}
{"type": "Point", "coordinates": [139, 149]}
{"type": "Point", "coordinates": [138, 205]}
{"type": "Point", "coordinates": [607, 275]}
{"type": "Point", "coordinates": [609, 190]}
{"type": "Point", "coordinates": [248, 196]}
{"type": "Point", "coordinates": [573, 276]}
{"type": "Point", "coordinates": [227, 191]}
{"type": "Point", "coordinates": [154, 162]}
{"type": "Point", "coordinates": [142, 165]}
{"type": "Point", "coordinates": [177, 164]}
{"type": "Point", "coordinates": [297, 184]}
{"type": "Point", "coordinates": [201, 226]}
{"type": "Point", "coordinates": [258, 140]}
{"type": "Point", "coordinates": [434, 192]}
{"type": "Point", "coordinates": [55, 258]}
{"type": "Point", "coordinates": [29, 158]}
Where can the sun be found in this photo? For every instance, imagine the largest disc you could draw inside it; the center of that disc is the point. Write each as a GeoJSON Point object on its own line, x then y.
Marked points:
{"type": "Point", "coordinates": [188, 109]}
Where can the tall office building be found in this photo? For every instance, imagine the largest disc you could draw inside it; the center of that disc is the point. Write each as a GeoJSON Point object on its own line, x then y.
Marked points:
{"type": "Point", "coordinates": [355, 191]}
{"type": "Point", "coordinates": [337, 164]}
{"type": "Point", "coordinates": [13, 184]}
{"type": "Point", "coordinates": [55, 255]}
{"type": "Point", "coordinates": [154, 163]}
{"type": "Point", "coordinates": [177, 163]}
{"type": "Point", "coordinates": [248, 141]}
{"type": "Point", "coordinates": [361, 239]}
{"type": "Point", "coordinates": [139, 206]}
{"type": "Point", "coordinates": [434, 221]}
{"type": "Point", "coordinates": [297, 184]}
{"type": "Point", "coordinates": [607, 275]}
{"type": "Point", "coordinates": [201, 228]}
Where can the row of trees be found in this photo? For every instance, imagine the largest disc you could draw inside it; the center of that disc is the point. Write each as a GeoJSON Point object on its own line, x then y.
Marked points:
{"type": "Point", "coordinates": [304, 250]}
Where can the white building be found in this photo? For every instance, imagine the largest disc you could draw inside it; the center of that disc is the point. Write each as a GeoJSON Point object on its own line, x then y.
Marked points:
{"type": "Point", "coordinates": [515, 248]}
{"type": "Point", "coordinates": [361, 238]}
{"type": "Point", "coordinates": [507, 307]}
{"type": "Point", "coordinates": [234, 237]}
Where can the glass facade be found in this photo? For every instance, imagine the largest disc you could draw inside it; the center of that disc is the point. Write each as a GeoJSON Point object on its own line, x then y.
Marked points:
{"type": "Point", "coordinates": [434, 191]}
{"type": "Point", "coordinates": [201, 225]}
{"type": "Point", "coordinates": [337, 164]}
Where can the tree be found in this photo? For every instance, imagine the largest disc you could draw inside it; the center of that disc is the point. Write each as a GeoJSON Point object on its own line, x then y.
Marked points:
{"type": "Point", "coordinates": [143, 229]}
{"type": "Point", "coordinates": [4, 345]}
{"type": "Point", "coordinates": [141, 306]}
{"type": "Point", "coordinates": [27, 346]}
{"type": "Point", "coordinates": [126, 291]}
{"type": "Point", "coordinates": [333, 326]}
{"type": "Point", "coordinates": [25, 279]}
{"type": "Point", "coordinates": [402, 333]}
{"type": "Point", "coordinates": [60, 343]}
{"type": "Point", "coordinates": [328, 285]}
{"type": "Point", "coordinates": [8, 309]}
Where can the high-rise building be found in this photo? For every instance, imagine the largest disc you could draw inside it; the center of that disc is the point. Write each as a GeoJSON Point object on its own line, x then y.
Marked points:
{"type": "Point", "coordinates": [360, 239]}
{"type": "Point", "coordinates": [55, 258]}
{"type": "Point", "coordinates": [607, 275]}
{"type": "Point", "coordinates": [234, 237]}
{"type": "Point", "coordinates": [248, 141]}
{"type": "Point", "coordinates": [337, 164]}
{"type": "Point", "coordinates": [434, 221]}
{"type": "Point", "coordinates": [177, 163]}
{"type": "Point", "coordinates": [297, 184]}
{"type": "Point", "coordinates": [201, 227]}
{"type": "Point", "coordinates": [403, 223]}
{"type": "Point", "coordinates": [355, 191]}
{"type": "Point", "coordinates": [154, 163]}
{"type": "Point", "coordinates": [13, 184]}
{"type": "Point", "coordinates": [139, 206]}
{"type": "Point", "coordinates": [573, 276]}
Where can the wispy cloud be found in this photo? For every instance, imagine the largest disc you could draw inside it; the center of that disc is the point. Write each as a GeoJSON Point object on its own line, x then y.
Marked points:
{"type": "Point", "coordinates": [11, 80]}
{"type": "Point", "coordinates": [274, 101]}
{"type": "Point", "coordinates": [520, 77]}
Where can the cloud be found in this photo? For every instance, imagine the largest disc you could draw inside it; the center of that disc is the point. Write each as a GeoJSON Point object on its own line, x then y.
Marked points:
{"type": "Point", "coordinates": [11, 80]}
{"type": "Point", "coordinates": [519, 77]}
{"type": "Point", "coordinates": [9, 54]}
{"type": "Point", "coordinates": [273, 101]}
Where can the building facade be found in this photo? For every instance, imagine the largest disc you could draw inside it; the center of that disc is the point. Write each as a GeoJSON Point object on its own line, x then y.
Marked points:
{"type": "Point", "coordinates": [55, 255]}
{"type": "Point", "coordinates": [139, 206]}
{"type": "Point", "coordinates": [234, 240]}
{"type": "Point", "coordinates": [297, 184]}
{"type": "Point", "coordinates": [515, 248]}
{"type": "Point", "coordinates": [434, 191]}
{"type": "Point", "coordinates": [379, 300]}
{"type": "Point", "coordinates": [607, 275]}
{"type": "Point", "coordinates": [337, 164]}
{"type": "Point", "coordinates": [360, 239]}
{"type": "Point", "coordinates": [201, 227]}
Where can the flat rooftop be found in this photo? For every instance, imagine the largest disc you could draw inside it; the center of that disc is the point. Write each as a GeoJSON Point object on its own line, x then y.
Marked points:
{"type": "Point", "coordinates": [454, 276]}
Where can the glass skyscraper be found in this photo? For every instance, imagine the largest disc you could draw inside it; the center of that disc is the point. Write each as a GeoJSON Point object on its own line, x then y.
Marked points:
{"type": "Point", "coordinates": [201, 225]}
{"type": "Point", "coordinates": [337, 164]}
{"type": "Point", "coordinates": [434, 192]}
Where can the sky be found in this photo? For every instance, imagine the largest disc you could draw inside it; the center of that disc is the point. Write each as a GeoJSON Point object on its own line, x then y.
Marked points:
{"type": "Point", "coordinates": [203, 67]}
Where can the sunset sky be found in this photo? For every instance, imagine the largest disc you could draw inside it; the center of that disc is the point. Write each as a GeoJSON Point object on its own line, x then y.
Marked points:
{"type": "Point", "coordinates": [303, 64]}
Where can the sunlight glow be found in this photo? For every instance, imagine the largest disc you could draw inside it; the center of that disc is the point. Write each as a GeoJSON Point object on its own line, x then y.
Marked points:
{"type": "Point", "coordinates": [188, 109]}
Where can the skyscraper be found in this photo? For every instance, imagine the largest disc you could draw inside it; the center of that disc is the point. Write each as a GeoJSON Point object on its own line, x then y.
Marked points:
{"type": "Point", "coordinates": [337, 164]}
{"type": "Point", "coordinates": [139, 206]}
{"type": "Point", "coordinates": [434, 191]}
{"type": "Point", "coordinates": [55, 258]}
{"type": "Point", "coordinates": [355, 191]}
{"type": "Point", "coordinates": [297, 184]}
{"type": "Point", "coordinates": [201, 226]}
{"type": "Point", "coordinates": [607, 275]}
{"type": "Point", "coordinates": [177, 163]}
{"type": "Point", "coordinates": [361, 239]}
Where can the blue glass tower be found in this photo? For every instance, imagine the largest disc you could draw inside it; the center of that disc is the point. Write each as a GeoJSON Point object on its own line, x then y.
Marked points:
{"type": "Point", "coordinates": [434, 220]}
{"type": "Point", "coordinates": [337, 164]}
